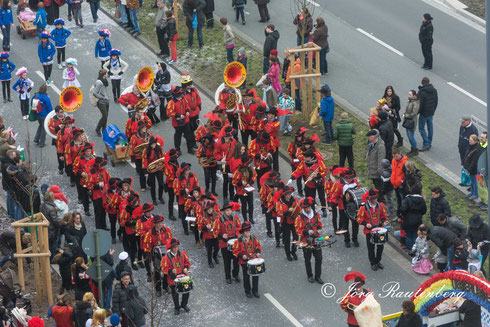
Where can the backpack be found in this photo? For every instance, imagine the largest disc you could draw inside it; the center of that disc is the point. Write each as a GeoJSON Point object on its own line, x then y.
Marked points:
{"type": "Point", "coordinates": [37, 105]}
{"type": "Point", "coordinates": [93, 99]}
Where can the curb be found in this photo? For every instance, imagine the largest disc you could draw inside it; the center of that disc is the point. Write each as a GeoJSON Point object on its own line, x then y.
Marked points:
{"type": "Point", "coordinates": [460, 7]}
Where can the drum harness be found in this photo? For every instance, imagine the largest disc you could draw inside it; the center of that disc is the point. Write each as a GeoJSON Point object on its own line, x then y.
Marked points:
{"type": "Point", "coordinates": [368, 208]}
{"type": "Point", "coordinates": [252, 238]}
{"type": "Point", "coordinates": [223, 221]}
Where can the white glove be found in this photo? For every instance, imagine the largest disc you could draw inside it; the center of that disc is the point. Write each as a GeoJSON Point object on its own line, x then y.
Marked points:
{"type": "Point", "coordinates": [290, 181]}
{"type": "Point", "coordinates": [310, 232]}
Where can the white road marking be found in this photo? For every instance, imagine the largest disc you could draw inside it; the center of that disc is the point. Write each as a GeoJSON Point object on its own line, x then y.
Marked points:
{"type": "Point", "coordinates": [176, 207]}
{"type": "Point", "coordinates": [460, 89]}
{"type": "Point", "coordinates": [387, 46]}
{"type": "Point", "coordinates": [51, 85]}
{"type": "Point", "coordinates": [283, 310]}
{"type": "Point", "coordinates": [313, 3]}
{"type": "Point", "coordinates": [246, 12]}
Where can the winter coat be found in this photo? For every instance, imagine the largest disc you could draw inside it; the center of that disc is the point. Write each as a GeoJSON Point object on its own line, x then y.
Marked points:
{"type": "Point", "coordinates": [387, 133]}
{"type": "Point", "coordinates": [41, 18]}
{"type": "Point", "coordinates": [412, 209]}
{"type": "Point", "coordinates": [239, 3]}
{"type": "Point", "coordinates": [116, 72]}
{"type": "Point", "coordinates": [327, 108]}
{"type": "Point", "coordinates": [23, 87]}
{"type": "Point", "coordinates": [344, 130]}
{"type": "Point", "coordinates": [100, 91]}
{"type": "Point", "coordinates": [271, 97]}
{"type": "Point", "coordinates": [470, 161]}
{"type": "Point", "coordinates": [135, 308]}
{"type": "Point", "coordinates": [482, 166]}
{"type": "Point", "coordinates": [421, 247]}
{"type": "Point", "coordinates": [63, 315]}
{"type": "Point", "coordinates": [229, 38]}
{"type": "Point", "coordinates": [442, 237]}
{"type": "Point", "coordinates": [375, 153]}
{"type": "Point", "coordinates": [411, 320]}
{"type": "Point", "coordinates": [120, 298]}
{"type": "Point", "coordinates": [82, 283]}
{"type": "Point", "coordinates": [75, 236]}
{"type": "Point", "coordinates": [261, 2]}
{"type": "Point", "coordinates": [188, 10]}
{"type": "Point", "coordinates": [7, 242]}
{"type": "Point", "coordinates": [82, 312]}
{"type": "Point", "coordinates": [412, 111]}
{"type": "Point", "coordinates": [123, 265]}
{"type": "Point", "coordinates": [464, 139]}
{"type": "Point", "coordinates": [270, 43]}
{"type": "Point", "coordinates": [275, 77]}
{"type": "Point", "coordinates": [171, 28]}
{"type": "Point", "coordinates": [320, 36]}
{"type": "Point", "coordinates": [425, 33]}
{"type": "Point", "coordinates": [209, 6]}
{"type": "Point", "coordinates": [64, 263]}
{"type": "Point", "coordinates": [6, 17]}
{"type": "Point", "coordinates": [59, 36]}
{"type": "Point", "coordinates": [102, 50]}
{"type": "Point", "coordinates": [50, 211]}
{"type": "Point", "coordinates": [438, 206]}
{"type": "Point", "coordinates": [413, 178]}
{"type": "Point", "coordinates": [109, 259]}
{"type": "Point", "coordinates": [398, 173]}
{"type": "Point", "coordinates": [472, 314]}
{"type": "Point", "coordinates": [6, 69]}
{"type": "Point", "coordinates": [428, 100]}
{"type": "Point", "coordinates": [299, 26]}
{"type": "Point", "coordinates": [46, 53]}
{"type": "Point", "coordinates": [456, 226]}
{"type": "Point", "coordinates": [45, 103]}
{"type": "Point", "coordinates": [478, 232]}
{"type": "Point", "coordinates": [161, 18]}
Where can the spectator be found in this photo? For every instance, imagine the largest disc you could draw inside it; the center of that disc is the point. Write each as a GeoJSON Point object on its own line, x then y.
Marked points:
{"type": "Point", "coordinates": [208, 13]}
{"type": "Point", "coordinates": [263, 10]}
{"type": "Point", "coordinates": [327, 112]}
{"type": "Point", "coordinates": [22, 6]}
{"type": "Point", "coordinates": [135, 308]}
{"type": "Point", "coordinates": [229, 39]}
{"type": "Point", "coordinates": [239, 6]}
{"type": "Point", "coordinates": [163, 88]}
{"type": "Point", "coordinates": [470, 164]}
{"type": "Point", "coordinates": [393, 103]}
{"type": "Point", "coordinates": [479, 235]}
{"type": "Point", "coordinates": [100, 93]}
{"type": "Point", "coordinates": [454, 225]}
{"type": "Point", "coordinates": [466, 129]}
{"type": "Point", "coordinates": [472, 314]}
{"type": "Point", "coordinates": [133, 6]}
{"type": "Point", "coordinates": [160, 27]}
{"type": "Point", "coordinates": [398, 176]}
{"type": "Point", "coordinates": [269, 95]}
{"type": "Point", "coordinates": [386, 132]}
{"type": "Point", "coordinates": [94, 8]}
{"type": "Point", "coordinates": [387, 188]}
{"type": "Point", "coordinates": [8, 245]}
{"type": "Point", "coordinates": [6, 21]}
{"type": "Point", "coordinates": [84, 310]}
{"type": "Point", "coordinates": [114, 320]}
{"type": "Point", "coordinates": [49, 210]}
{"type": "Point", "coordinates": [409, 317]}
{"type": "Point", "coordinates": [121, 4]}
{"type": "Point", "coordinates": [443, 238]}
{"type": "Point", "coordinates": [62, 313]}
{"type": "Point", "coordinates": [76, 8]}
{"type": "Point", "coordinates": [242, 58]}
{"type": "Point", "coordinates": [428, 104]}
{"type": "Point", "coordinates": [41, 18]}
{"type": "Point", "coordinates": [274, 73]}
{"type": "Point", "coordinates": [64, 258]}
{"type": "Point", "coordinates": [82, 280]}
{"type": "Point", "coordinates": [109, 280]}
{"type": "Point", "coordinates": [45, 105]}
{"type": "Point", "coordinates": [304, 26]}
{"type": "Point", "coordinates": [320, 38]}
{"type": "Point", "coordinates": [461, 252]}
{"type": "Point", "coordinates": [296, 81]}
{"type": "Point", "coordinates": [421, 251]}
{"type": "Point", "coordinates": [410, 121]}
{"type": "Point", "coordinates": [412, 209]}
{"type": "Point", "coordinates": [286, 102]}
{"type": "Point", "coordinates": [412, 176]}
{"type": "Point", "coordinates": [189, 8]}
{"type": "Point", "coordinates": [123, 266]}
{"type": "Point", "coordinates": [270, 43]}
{"type": "Point", "coordinates": [426, 40]}
{"type": "Point", "coordinates": [74, 232]}
{"type": "Point", "coordinates": [343, 134]}
{"type": "Point", "coordinates": [98, 319]}
{"type": "Point", "coordinates": [373, 118]}
{"type": "Point", "coordinates": [438, 205]}
{"type": "Point", "coordinates": [172, 36]}
{"type": "Point", "coordinates": [120, 298]}
{"type": "Point", "coordinates": [374, 155]}
{"type": "Point", "coordinates": [483, 171]}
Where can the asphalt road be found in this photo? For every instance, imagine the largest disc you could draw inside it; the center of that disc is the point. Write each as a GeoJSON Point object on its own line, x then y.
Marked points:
{"type": "Point", "coordinates": [360, 68]}
{"type": "Point", "coordinates": [212, 301]}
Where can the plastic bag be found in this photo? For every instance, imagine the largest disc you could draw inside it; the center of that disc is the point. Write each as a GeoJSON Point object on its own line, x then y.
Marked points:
{"type": "Point", "coordinates": [314, 117]}
{"type": "Point", "coordinates": [194, 21]}
{"type": "Point", "coordinates": [465, 177]}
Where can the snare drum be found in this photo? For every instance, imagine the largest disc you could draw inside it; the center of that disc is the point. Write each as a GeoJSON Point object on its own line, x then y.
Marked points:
{"type": "Point", "coordinates": [379, 235]}
{"type": "Point", "coordinates": [183, 284]}
{"type": "Point", "coordinates": [158, 253]}
{"type": "Point", "coordinates": [353, 201]}
{"type": "Point", "coordinates": [231, 243]}
{"type": "Point", "coordinates": [256, 267]}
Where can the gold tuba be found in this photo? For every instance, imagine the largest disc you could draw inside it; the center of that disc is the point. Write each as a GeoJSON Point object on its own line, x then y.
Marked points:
{"type": "Point", "coordinates": [235, 74]}
{"type": "Point", "coordinates": [156, 165]}
{"type": "Point", "coordinates": [145, 79]}
{"type": "Point", "coordinates": [71, 99]}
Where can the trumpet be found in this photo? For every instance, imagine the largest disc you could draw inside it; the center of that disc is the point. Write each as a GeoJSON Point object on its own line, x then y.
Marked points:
{"type": "Point", "coordinates": [312, 175]}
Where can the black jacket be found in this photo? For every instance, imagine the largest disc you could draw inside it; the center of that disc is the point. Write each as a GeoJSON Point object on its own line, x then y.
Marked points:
{"type": "Point", "coordinates": [82, 285]}
{"type": "Point", "coordinates": [270, 43]}
{"type": "Point", "coordinates": [478, 231]}
{"type": "Point", "coordinates": [428, 100]}
{"type": "Point", "coordinates": [456, 226]}
{"type": "Point", "coordinates": [472, 314]}
{"type": "Point", "coordinates": [470, 161]}
{"type": "Point", "coordinates": [123, 265]}
{"type": "Point", "coordinates": [209, 6]}
{"type": "Point", "coordinates": [120, 298]}
{"type": "Point", "coordinates": [5, 161]}
{"type": "Point", "coordinates": [239, 2]}
{"type": "Point", "coordinates": [261, 2]}
{"type": "Point", "coordinates": [411, 320]}
{"type": "Point", "coordinates": [438, 206]}
{"type": "Point", "coordinates": [412, 209]}
{"type": "Point", "coordinates": [135, 308]}
{"type": "Point", "coordinates": [188, 10]}
{"type": "Point", "coordinates": [171, 28]}
{"type": "Point", "coordinates": [442, 237]}
{"type": "Point", "coordinates": [464, 139]}
{"type": "Point", "coordinates": [425, 33]}
{"type": "Point", "coordinates": [81, 313]}
{"type": "Point", "coordinates": [387, 134]}
{"type": "Point", "coordinates": [50, 211]}
{"type": "Point", "coordinates": [64, 263]}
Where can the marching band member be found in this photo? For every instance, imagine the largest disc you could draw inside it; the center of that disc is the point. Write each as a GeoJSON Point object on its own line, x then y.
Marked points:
{"type": "Point", "coordinates": [246, 114]}
{"type": "Point", "coordinates": [262, 149]}
{"type": "Point", "coordinates": [140, 137]}
{"type": "Point", "coordinates": [54, 125]}
{"type": "Point", "coordinates": [178, 109]}
{"type": "Point", "coordinates": [111, 205]}
{"type": "Point", "coordinates": [63, 136]}
{"type": "Point", "coordinates": [332, 178]}
{"type": "Point", "coordinates": [72, 150]}
{"type": "Point", "coordinates": [193, 208]}
{"type": "Point", "coordinates": [228, 98]}
{"type": "Point", "coordinates": [206, 224]}
{"type": "Point", "coordinates": [292, 150]}
{"type": "Point", "coordinates": [226, 228]}
{"type": "Point", "coordinates": [80, 171]}
{"type": "Point", "coordinates": [176, 262]}
{"type": "Point", "coordinates": [308, 226]}
{"type": "Point", "coordinates": [244, 177]}
{"type": "Point", "coordinates": [134, 101]}
{"type": "Point", "coordinates": [124, 190]}
{"type": "Point", "coordinates": [267, 181]}
{"type": "Point", "coordinates": [314, 173]}
{"type": "Point", "coordinates": [98, 181]}
{"type": "Point", "coordinates": [271, 215]}
{"type": "Point", "coordinates": [191, 95]}
{"type": "Point", "coordinates": [183, 184]}
{"type": "Point", "coordinates": [156, 236]}
{"type": "Point", "coordinates": [288, 208]}
{"type": "Point", "coordinates": [144, 223]}
{"type": "Point", "coordinates": [271, 125]}
{"type": "Point", "coordinates": [337, 194]}
{"type": "Point", "coordinates": [372, 214]}
{"type": "Point", "coordinates": [128, 219]}
{"type": "Point", "coordinates": [223, 152]}
{"type": "Point", "coordinates": [309, 144]}
{"type": "Point", "coordinates": [171, 169]}
{"type": "Point", "coordinates": [354, 296]}
{"type": "Point", "coordinates": [245, 248]}
{"type": "Point", "coordinates": [154, 151]}
{"type": "Point", "coordinates": [213, 126]}
{"type": "Point", "coordinates": [207, 159]}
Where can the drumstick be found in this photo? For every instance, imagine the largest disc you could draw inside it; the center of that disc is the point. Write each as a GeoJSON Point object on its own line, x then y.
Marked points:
{"type": "Point", "coordinates": [342, 231]}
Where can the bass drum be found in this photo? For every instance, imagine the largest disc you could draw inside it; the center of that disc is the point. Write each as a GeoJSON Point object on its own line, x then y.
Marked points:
{"type": "Point", "coordinates": [353, 201]}
{"type": "Point", "coordinates": [220, 88]}
{"type": "Point", "coordinates": [48, 118]}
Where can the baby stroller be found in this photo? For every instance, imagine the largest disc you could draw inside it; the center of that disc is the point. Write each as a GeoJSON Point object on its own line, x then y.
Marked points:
{"type": "Point", "coordinates": [10, 291]}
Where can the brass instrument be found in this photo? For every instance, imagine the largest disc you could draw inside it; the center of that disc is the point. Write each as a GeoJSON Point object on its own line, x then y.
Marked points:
{"type": "Point", "coordinates": [156, 165]}
{"type": "Point", "coordinates": [235, 75]}
{"type": "Point", "coordinates": [145, 79]}
{"type": "Point", "coordinates": [138, 150]}
{"type": "Point", "coordinates": [296, 211]}
{"type": "Point", "coordinates": [206, 162]}
{"type": "Point", "coordinates": [141, 105]}
{"type": "Point", "coordinates": [71, 99]}
{"type": "Point", "coordinates": [312, 175]}
{"type": "Point", "coordinates": [232, 102]}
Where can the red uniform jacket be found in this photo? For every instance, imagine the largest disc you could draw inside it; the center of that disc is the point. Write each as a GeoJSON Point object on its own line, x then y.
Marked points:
{"type": "Point", "coordinates": [224, 149]}
{"type": "Point", "coordinates": [54, 125]}
{"type": "Point", "coordinates": [207, 152]}
{"type": "Point", "coordinates": [201, 132]}
{"type": "Point", "coordinates": [182, 187]}
{"type": "Point", "coordinates": [80, 165]}
{"type": "Point", "coordinates": [62, 138]}
{"type": "Point", "coordinates": [352, 298]}
{"type": "Point", "coordinates": [170, 173]}
{"type": "Point", "coordinates": [153, 237]}
{"type": "Point", "coordinates": [94, 177]}
{"type": "Point", "coordinates": [130, 123]}
{"type": "Point", "coordinates": [256, 149]}
{"type": "Point", "coordinates": [234, 164]}
{"type": "Point", "coordinates": [337, 193]}
{"type": "Point", "coordinates": [223, 97]}
{"type": "Point", "coordinates": [194, 102]}
{"type": "Point", "coordinates": [292, 150]}
{"type": "Point", "coordinates": [153, 157]}
{"type": "Point", "coordinates": [375, 216]}
{"type": "Point", "coordinates": [127, 219]}
{"type": "Point", "coordinates": [177, 108]}
{"type": "Point", "coordinates": [177, 262]}
{"type": "Point", "coordinates": [282, 208]}
{"type": "Point", "coordinates": [239, 181]}
{"type": "Point", "coordinates": [204, 220]}
{"type": "Point", "coordinates": [143, 224]}
{"type": "Point", "coordinates": [112, 203]}
{"type": "Point", "coordinates": [318, 155]}
{"type": "Point", "coordinates": [306, 171]}
{"type": "Point", "coordinates": [138, 140]}
{"type": "Point", "coordinates": [226, 225]}
{"type": "Point", "coordinates": [272, 128]}
{"type": "Point", "coordinates": [303, 225]}
{"type": "Point", "coordinates": [72, 150]}
{"type": "Point", "coordinates": [248, 117]}
{"type": "Point", "coordinates": [129, 99]}
{"type": "Point", "coordinates": [249, 248]}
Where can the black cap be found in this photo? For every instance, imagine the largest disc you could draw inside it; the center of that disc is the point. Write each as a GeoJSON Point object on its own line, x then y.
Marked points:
{"type": "Point", "coordinates": [372, 133]}
{"type": "Point", "coordinates": [427, 16]}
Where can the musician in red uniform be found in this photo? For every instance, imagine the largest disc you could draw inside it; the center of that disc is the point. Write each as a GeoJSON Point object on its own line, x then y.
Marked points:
{"type": "Point", "coordinates": [247, 247]}
{"type": "Point", "coordinates": [229, 94]}
{"type": "Point", "coordinates": [71, 150]}
{"type": "Point", "coordinates": [128, 219]}
{"type": "Point", "coordinates": [354, 296]}
{"type": "Point", "coordinates": [332, 178]}
{"type": "Point", "coordinates": [371, 215]}
{"type": "Point", "coordinates": [130, 99]}
{"type": "Point", "coordinates": [124, 190]}
{"type": "Point", "coordinates": [193, 99]}
{"type": "Point", "coordinates": [111, 205]}
{"type": "Point", "coordinates": [178, 109]}
{"type": "Point", "coordinates": [158, 235]}
{"type": "Point", "coordinates": [154, 151]}
{"type": "Point", "coordinates": [81, 176]}
{"type": "Point", "coordinates": [271, 214]}
{"type": "Point", "coordinates": [288, 208]}
{"type": "Point", "coordinates": [213, 126]}
{"type": "Point", "coordinates": [144, 223]}
{"type": "Point", "coordinates": [267, 181]}
{"type": "Point", "coordinates": [206, 222]}
{"type": "Point", "coordinates": [138, 115]}
{"type": "Point", "coordinates": [171, 169]}
{"type": "Point", "coordinates": [63, 136]}
{"type": "Point", "coordinates": [243, 178]}
{"type": "Point", "coordinates": [271, 125]}
{"type": "Point", "coordinates": [223, 152]}
{"type": "Point", "coordinates": [207, 160]}
{"type": "Point", "coordinates": [246, 114]}
{"type": "Point", "coordinates": [292, 151]}
{"type": "Point", "coordinates": [183, 184]}
{"type": "Point", "coordinates": [308, 226]}
{"type": "Point", "coordinates": [314, 173]}
{"type": "Point", "coordinates": [141, 137]}
{"type": "Point", "coordinates": [262, 149]}
{"type": "Point", "coordinates": [54, 125]}
{"type": "Point", "coordinates": [98, 181]}
{"type": "Point", "coordinates": [193, 208]}
{"type": "Point", "coordinates": [226, 228]}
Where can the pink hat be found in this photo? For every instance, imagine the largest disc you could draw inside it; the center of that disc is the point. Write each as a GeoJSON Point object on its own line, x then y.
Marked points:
{"type": "Point", "coordinates": [21, 71]}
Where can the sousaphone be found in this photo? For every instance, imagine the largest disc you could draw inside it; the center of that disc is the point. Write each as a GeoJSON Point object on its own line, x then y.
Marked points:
{"type": "Point", "coordinates": [71, 99]}
{"type": "Point", "coordinates": [145, 79]}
